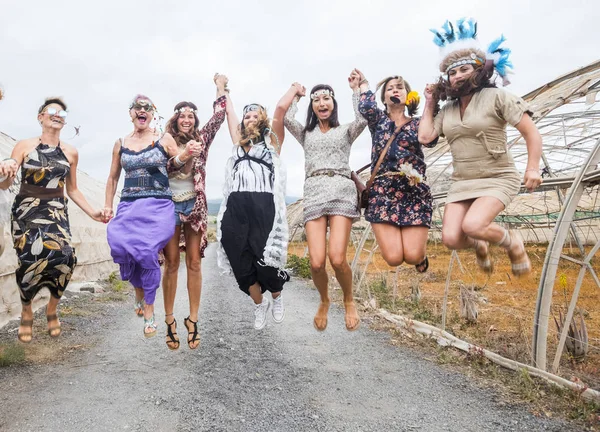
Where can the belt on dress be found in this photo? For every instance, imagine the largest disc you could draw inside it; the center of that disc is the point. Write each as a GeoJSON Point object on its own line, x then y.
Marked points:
{"type": "Point", "coordinates": [29, 190]}
{"type": "Point", "coordinates": [328, 173]}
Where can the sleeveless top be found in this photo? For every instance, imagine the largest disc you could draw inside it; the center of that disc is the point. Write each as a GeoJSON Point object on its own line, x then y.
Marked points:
{"type": "Point", "coordinates": [253, 170]}
{"type": "Point", "coordinates": [45, 166]}
{"type": "Point", "coordinates": [145, 173]}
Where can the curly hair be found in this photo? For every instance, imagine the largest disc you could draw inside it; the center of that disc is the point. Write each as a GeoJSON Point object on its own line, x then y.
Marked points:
{"type": "Point", "coordinates": [412, 107]}
{"type": "Point", "coordinates": [479, 79]}
{"type": "Point", "coordinates": [255, 132]}
{"type": "Point", "coordinates": [52, 100]}
{"type": "Point", "coordinates": [181, 138]}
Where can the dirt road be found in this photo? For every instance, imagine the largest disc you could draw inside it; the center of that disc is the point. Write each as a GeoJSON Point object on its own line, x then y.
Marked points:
{"type": "Point", "coordinates": [287, 377]}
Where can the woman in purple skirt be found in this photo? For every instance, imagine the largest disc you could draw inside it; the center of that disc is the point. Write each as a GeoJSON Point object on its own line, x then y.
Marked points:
{"type": "Point", "coordinates": [145, 217]}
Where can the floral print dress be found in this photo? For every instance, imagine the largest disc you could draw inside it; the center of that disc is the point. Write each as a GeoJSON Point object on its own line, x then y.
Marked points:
{"type": "Point", "coordinates": [399, 194]}
{"type": "Point", "coordinates": [198, 218]}
{"type": "Point", "coordinates": [40, 226]}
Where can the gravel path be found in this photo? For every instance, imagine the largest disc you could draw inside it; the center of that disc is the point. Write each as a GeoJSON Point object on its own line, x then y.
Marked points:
{"type": "Point", "coordinates": [287, 377]}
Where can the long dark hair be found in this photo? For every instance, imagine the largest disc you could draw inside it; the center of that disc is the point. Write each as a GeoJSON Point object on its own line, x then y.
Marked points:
{"type": "Point", "coordinates": [182, 138]}
{"type": "Point", "coordinates": [311, 117]}
{"type": "Point", "coordinates": [479, 79]}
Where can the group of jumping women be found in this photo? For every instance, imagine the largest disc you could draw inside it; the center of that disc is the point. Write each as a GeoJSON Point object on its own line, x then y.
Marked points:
{"type": "Point", "coordinates": [163, 206]}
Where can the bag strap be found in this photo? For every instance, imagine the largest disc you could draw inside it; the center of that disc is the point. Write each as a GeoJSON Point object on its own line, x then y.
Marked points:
{"type": "Point", "coordinates": [383, 153]}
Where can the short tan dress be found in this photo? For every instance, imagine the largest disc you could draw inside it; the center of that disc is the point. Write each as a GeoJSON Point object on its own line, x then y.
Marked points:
{"type": "Point", "coordinates": [483, 166]}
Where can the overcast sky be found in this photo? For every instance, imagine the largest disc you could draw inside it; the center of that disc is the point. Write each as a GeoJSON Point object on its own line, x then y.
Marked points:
{"type": "Point", "coordinates": [99, 55]}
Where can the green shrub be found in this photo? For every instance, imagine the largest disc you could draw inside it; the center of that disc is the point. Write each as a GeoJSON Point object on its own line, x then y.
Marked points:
{"type": "Point", "coordinates": [299, 266]}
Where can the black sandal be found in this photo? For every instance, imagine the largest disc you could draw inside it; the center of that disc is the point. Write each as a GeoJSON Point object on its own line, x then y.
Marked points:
{"type": "Point", "coordinates": [27, 324]}
{"type": "Point", "coordinates": [172, 342]}
{"type": "Point", "coordinates": [53, 317]}
{"type": "Point", "coordinates": [423, 265]}
{"type": "Point", "coordinates": [195, 335]}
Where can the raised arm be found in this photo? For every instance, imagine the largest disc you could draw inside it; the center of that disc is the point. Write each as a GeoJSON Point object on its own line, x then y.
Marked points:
{"type": "Point", "coordinates": [359, 123]}
{"type": "Point", "coordinates": [427, 130]}
{"type": "Point", "coordinates": [72, 189]}
{"type": "Point", "coordinates": [289, 120]}
{"type": "Point", "coordinates": [177, 157]}
{"type": "Point", "coordinates": [281, 109]}
{"type": "Point", "coordinates": [210, 129]}
{"type": "Point", "coordinates": [367, 104]}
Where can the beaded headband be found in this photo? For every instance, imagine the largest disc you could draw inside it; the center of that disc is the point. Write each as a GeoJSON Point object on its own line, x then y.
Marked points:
{"type": "Point", "coordinates": [322, 92]}
{"type": "Point", "coordinates": [472, 59]}
{"type": "Point", "coordinates": [252, 107]}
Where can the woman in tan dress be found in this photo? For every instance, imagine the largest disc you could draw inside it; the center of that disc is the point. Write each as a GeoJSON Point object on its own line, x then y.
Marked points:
{"type": "Point", "coordinates": [485, 179]}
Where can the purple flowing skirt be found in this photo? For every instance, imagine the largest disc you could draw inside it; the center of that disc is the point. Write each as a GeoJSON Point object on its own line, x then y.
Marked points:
{"type": "Point", "coordinates": [137, 233]}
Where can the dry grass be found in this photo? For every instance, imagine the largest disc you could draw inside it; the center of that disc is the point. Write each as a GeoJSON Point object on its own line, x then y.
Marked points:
{"type": "Point", "coordinates": [506, 304]}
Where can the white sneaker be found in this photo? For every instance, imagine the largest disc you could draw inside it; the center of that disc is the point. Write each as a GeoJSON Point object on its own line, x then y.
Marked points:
{"type": "Point", "coordinates": [260, 313]}
{"type": "Point", "coordinates": [278, 310]}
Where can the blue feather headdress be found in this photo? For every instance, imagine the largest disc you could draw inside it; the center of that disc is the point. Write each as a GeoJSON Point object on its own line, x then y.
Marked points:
{"type": "Point", "coordinates": [459, 45]}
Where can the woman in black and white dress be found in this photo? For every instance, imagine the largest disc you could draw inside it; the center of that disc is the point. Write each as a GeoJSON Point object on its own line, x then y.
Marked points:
{"type": "Point", "coordinates": [252, 226]}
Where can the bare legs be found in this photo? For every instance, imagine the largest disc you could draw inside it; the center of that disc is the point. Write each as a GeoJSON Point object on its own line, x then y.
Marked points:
{"type": "Point", "coordinates": [470, 224]}
{"type": "Point", "coordinates": [193, 263]}
{"type": "Point", "coordinates": [339, 235]}
{"type": "Point", "coordinates": [398, 245]}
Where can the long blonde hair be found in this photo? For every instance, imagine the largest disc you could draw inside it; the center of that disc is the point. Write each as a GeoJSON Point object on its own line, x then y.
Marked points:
{"type": "Point", "coordinates": [254, 133]}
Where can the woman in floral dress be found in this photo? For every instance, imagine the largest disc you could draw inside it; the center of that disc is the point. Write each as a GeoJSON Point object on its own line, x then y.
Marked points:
{"type": "Point", "coordinates": [191, 212]}
{"type": "Point", "coordinates": [329, 193]}
{"type": "Point", "coordinates": [400, 203]}
{"type": "Point", "coordinates": [40, 222]}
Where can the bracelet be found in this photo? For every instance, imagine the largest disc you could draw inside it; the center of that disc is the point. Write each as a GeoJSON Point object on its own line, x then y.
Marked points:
{"type": "Point", "coordinates": [532, 169]}
{"type": "Point", "coordinates": [9, 158]}
{"type": "Point", "coordinates": [178, 161]}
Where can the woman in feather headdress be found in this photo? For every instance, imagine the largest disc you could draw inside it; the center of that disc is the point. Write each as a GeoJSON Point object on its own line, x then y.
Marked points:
{"type": "Point", "coordinates": [40, 222]}
{"type": "Point", "coordinates": [474, 119]}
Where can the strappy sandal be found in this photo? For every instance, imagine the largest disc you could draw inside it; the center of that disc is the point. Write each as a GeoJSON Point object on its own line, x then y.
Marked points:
{"type": "Point", "coordinates": [52, 329]}
{"type": "Point", "coordinates": [138, 308]}
{"type": "Point", "coordinates": [195, 335]}
{"type": "Point", "coordinates": [520, 264]}
{"type": "Point", "coordinates": [149, 324]}
{"type": "Point", "coordinates": [28, 324]}
{"type": "Point", "coordinates": [423, 265]}
{"type": "Point", "coordinates": [172, 342]}
{"type": "Point", "coordinates": [484, 261]}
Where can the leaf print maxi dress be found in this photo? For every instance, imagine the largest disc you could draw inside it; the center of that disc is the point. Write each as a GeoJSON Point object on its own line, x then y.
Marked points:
{"type": "Point", "coordinates": [40, 224]}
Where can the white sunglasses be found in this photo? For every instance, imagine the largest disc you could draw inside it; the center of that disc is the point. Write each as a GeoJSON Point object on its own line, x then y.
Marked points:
{"type": "Point", "coordinates": [53, 111]}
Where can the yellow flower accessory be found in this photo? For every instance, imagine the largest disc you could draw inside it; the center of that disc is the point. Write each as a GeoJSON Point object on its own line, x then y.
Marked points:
{"type": "Point", "coordinates": [413, 98]}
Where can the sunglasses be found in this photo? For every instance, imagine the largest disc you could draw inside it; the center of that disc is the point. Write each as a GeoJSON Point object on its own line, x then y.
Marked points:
{"type": "Point", "coordinates": [143, 105]}
{"type": "Point", "coordinates": [53, 111]}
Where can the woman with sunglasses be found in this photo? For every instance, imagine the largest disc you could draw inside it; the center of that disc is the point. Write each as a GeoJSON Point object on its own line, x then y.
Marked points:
{"type": "Point", "coordinates": [252, 226]}
{"type": "Point", "coordinates": [191, 211]}
{"type": "Point", "coordinates": [145, 219]}
{"type": "Point", "coordinates": [40, 222]}
{"type": "Point", "coordinates": [330, 196]}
